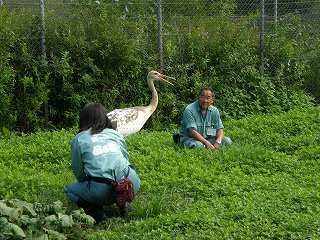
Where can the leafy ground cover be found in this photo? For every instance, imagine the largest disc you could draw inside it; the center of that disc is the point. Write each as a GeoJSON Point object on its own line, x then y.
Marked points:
{"type": "Point", "coordinates": [265, 186]}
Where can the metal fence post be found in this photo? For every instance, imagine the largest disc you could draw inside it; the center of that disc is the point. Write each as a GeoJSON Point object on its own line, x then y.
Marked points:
{"type": "Point", "coordinates": [43, 56]}
{"type": "Point", "coordinates": [262, 46]}
{"type": "Point", "coordinates": [160, 40]}
{"type": "Point", "coordinates": [275, 11]}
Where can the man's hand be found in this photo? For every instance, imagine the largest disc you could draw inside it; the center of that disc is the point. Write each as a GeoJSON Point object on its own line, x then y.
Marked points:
{"type": "Point", "coordinates": [216, 145]}
{"type": "Point", "coordinates": [209, 145]}
{"type": "Point", "coordinates": [194, 134]}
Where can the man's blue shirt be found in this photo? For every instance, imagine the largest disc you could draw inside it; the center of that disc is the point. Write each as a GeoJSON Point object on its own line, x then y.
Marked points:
{"type": "Point", "coordinates": [204, 123]}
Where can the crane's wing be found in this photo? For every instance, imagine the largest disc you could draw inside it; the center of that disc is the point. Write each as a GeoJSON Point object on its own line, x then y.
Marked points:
{"type": "Point", "coordinates": [123, 116]}
{"type": "Point", "coordinates": [127, 120]}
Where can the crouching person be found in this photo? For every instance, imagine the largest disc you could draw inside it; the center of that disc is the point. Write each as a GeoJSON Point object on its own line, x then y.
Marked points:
{"type": "Point", "coordinates": [100, 161]}
{"type": "Point", "coordinates": [201, 125]}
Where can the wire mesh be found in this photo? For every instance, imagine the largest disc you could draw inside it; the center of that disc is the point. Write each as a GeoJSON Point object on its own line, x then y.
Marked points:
{"type": "Point", "coordinates": [181, 17]}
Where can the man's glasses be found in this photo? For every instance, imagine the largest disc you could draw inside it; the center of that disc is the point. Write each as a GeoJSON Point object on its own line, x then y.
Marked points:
{"type": "Point", "coordinates": [209, 98]}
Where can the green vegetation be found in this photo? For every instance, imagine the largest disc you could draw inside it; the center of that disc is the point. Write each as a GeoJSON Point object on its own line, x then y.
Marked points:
{"type": "Point", "coordinates": [265, 186]}
{"type": "Point", "coordinates": [39, 221]}
{"type": "Point", "coordinates": [102, 52]}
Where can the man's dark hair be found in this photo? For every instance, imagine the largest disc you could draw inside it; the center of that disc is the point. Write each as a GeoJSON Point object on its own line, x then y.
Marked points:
{"type": "Point", "coordinates": [94, 116]}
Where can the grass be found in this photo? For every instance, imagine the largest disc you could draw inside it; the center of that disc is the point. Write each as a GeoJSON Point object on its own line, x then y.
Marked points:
{"type": "Point", "coordinates": [265, 186]}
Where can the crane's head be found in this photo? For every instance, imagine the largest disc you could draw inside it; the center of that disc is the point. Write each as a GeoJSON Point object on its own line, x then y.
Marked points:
{"type": "Point", "coordinates": [154, 75]}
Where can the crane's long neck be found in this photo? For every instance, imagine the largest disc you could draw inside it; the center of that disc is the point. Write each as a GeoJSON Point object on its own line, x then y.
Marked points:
{"type": "Point", "coordinates": [154, 100]}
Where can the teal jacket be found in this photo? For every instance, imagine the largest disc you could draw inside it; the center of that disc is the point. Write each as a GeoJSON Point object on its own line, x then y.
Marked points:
{"type": "Point", "coordinates": [104, 154]}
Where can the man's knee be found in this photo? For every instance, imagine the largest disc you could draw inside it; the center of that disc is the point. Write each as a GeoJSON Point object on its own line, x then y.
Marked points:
{"type": "Point", "coordinates": [71, 195]}
{"type": "Point", "coordinates": [193, 144]}
{"type": "Point", "coordinates": [226, 141]}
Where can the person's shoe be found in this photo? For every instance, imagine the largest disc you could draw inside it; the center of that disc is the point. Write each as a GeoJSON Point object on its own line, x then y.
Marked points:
{"type": "Point", "coordinates": [176, 138]}
{"type": "Point", "coordinates": [124, 210]}
{"type": "Point", "coordinates": [94, 211]}
{"type": "Point", "coordinates": [97, 213]}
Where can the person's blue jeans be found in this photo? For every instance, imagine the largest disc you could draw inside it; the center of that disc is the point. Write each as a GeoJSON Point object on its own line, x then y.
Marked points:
{"type": "Point", "coordinates": [97, 193]}
{"type": "Point", "coordinates": [192, 143]}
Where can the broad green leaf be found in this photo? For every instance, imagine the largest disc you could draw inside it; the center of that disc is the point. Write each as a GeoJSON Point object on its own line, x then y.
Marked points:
{"type": "Point", "coordinates": [52, 219]}
{"type": "Point", "coordinates": [16, 230]}
{"type": "Point", "coordinates": [23, 205]}
{"type": "Point", "coordinates": [57, 207]}
{"type": "Point", "coordinates": [55, 235]}
{"type": "Point", "coordinates": [65, 220]}
{"type": "Point", "coordinates": [26, 220]}
{"type": "Point", "coordinates": [12, 213]}
{"type": "Point", "coordinates": [80, 217]}
{"type": "Point", "coordinates": [41, 236]}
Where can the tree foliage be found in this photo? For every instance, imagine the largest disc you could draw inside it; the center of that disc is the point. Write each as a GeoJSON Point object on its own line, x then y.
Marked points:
{"type": "Point", "coordinates": [101, 51]}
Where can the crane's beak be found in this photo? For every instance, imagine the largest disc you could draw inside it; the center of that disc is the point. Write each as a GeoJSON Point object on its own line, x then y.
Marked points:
{"type": "Point", "coordinates": [167, 79]}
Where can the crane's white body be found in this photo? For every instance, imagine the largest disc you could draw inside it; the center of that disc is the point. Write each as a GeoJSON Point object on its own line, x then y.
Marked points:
{"type": "Point", "coordinates": [128, 121]}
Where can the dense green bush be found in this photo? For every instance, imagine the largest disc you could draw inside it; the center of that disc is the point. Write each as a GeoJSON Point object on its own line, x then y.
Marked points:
{"type": "Point", "coordinates": [97, 60]}
{"type": "Point", "coordinates": [23, 87]}
{"type": "Point", "coordinates": [312, 82]}
{"type": "Point", "coordinates": [101, 52]}
{"type": "Point", "coordinates": [229, 62]}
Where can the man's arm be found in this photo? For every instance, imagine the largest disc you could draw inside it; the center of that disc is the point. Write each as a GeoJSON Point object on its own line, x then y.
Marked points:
{"type": "Point", "coordinates": [219, 137]}
{"type": "Point", "coordinates": [219, 128]}
{"type": "Point", "coordinates": [197, 136]}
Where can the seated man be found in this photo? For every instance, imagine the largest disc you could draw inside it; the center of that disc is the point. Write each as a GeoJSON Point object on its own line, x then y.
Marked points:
{"type": "Point", "coordinates": [201, 125]}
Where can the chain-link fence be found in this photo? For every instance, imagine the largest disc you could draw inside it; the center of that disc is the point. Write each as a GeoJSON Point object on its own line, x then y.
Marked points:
{"type": "Point", "coordinates": [185, 16]}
